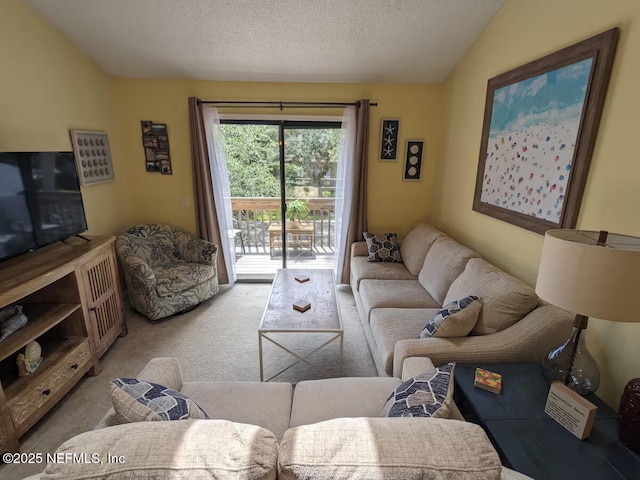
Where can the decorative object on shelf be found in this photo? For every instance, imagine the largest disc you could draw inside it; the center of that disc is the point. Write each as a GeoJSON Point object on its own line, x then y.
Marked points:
{"type": "Point", "coordinates": [302, 278]}
{"type": "Point", "coordinates": [155, 141]}
{"type": "Point", "coordinates": [296, 210]}
{"type": "Point", "coordinates": [570, 410]}
{"type": "Point", "coordinates": [29, 361]}
{"type": "Point", "coordinates": [593, 274]}
{"type": "Point", "coordinates": [487, 380]}
{"type": "Point", "coordinates": [389, 139]}
{"type": "Point", "coordinates": [413, 162]}
{"type": "Point", "coordinates": [538, 135]}
{"type": "Point", "coordinates": [11, 320]}
{"type": "Point", "coordinates": [301, 306]}
{"type": "Point", "coordinates": [629, 416]}
{"type": "Point", "coordinates": [93, 156]}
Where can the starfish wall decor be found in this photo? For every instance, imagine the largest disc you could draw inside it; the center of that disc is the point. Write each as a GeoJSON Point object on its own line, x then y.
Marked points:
{"type": "Point", "coordinates": [389, 139]}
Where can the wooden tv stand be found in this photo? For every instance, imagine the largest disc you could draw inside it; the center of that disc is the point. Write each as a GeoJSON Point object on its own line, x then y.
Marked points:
{"type": "Point", "coordinates": [71, 295]}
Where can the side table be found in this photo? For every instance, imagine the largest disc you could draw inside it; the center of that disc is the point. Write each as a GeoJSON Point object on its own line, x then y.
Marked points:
{"type": "Point", "coordinates": [530, 441]}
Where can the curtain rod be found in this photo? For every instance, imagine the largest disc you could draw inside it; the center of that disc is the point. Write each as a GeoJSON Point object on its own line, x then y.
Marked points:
{"type": "Point", "coordinates": [280, 105]}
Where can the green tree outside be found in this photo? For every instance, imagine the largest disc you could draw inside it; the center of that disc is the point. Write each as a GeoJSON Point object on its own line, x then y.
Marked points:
{"type": "Point", "coordinates": [253, 160]}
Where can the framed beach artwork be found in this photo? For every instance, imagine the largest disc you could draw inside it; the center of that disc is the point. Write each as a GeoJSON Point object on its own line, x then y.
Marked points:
{"type": "Point", "coordinates": [538, 135]}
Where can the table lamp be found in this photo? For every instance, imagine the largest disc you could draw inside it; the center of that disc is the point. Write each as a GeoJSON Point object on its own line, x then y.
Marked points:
{"type": "Point", "coordinates": [592, 274]}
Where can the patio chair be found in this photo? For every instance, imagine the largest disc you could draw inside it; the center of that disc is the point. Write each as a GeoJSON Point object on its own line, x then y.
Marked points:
{"type": "Point", "coordinates": [167, 270]}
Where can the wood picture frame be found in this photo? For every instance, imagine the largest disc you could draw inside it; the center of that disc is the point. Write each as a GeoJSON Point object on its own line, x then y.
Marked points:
{"type": "Point", "coordinates": [93, 156]}
{"type": "Point", "coordinates": [538, 134]}
{"type": "Point", "coordinates": [414, 154]}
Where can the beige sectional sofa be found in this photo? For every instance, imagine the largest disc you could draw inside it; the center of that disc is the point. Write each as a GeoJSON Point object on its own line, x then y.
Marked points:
{"type": "Point", "coordinates": [396, 300]}
{"type": "Point", "coordinates": [325, 429]}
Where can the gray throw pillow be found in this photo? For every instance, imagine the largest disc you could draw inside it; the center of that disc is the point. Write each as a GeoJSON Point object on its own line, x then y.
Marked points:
{"type": "Point", "coordinates": [426, 395]}
{"type": "Point", "coordinates": [138, 401]}
{"type": "Point", "coordinates": [456, 319]}
{"type": "Point", "coordinates": [383, 247]}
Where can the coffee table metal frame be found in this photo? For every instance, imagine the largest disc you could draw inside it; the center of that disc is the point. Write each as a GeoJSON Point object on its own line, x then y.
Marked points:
{"type": "Point", "coordinates": [267, 333]}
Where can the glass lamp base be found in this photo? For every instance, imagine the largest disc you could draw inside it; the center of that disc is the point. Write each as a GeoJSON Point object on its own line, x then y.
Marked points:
{"type": "Point", "coordinates": [577, 371]}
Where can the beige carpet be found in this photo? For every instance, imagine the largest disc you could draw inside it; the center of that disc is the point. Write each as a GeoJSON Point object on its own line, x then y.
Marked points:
{"type": "Point", "coordinates": [216, 341]}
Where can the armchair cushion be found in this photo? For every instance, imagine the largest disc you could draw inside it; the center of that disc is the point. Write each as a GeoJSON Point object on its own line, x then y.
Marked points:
{"type": "Point", "coordinates": [179, 276]}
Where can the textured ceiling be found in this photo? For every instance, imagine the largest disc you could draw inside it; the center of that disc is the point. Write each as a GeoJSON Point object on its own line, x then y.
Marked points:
{"type": "Point", "coordinates": [273, 40]}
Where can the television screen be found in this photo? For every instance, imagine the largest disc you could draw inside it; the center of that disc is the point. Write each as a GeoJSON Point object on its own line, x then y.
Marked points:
{"type": "Point", "coordinates": [40, 200]}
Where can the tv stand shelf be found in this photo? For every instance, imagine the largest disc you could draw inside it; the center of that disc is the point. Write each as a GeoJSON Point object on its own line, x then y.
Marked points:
{"type": "Point", "coordinates": [70, 294]}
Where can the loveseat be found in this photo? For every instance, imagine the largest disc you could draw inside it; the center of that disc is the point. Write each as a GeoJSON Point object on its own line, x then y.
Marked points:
{"type": "Point", "coordinates": [396, 300]}
{"type": "Point", "coordinates": [325, 429]}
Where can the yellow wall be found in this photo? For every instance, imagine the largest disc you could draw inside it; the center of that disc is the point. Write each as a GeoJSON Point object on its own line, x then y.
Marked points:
{"type": "Point", "coordinates": [521, 32]}
{"type": "Point", "coordinates": [48, 86]}
{"type": "Point", "coordinates": [394, 204]}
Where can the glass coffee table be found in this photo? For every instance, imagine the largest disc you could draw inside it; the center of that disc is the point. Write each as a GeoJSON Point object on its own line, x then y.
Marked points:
{"type": "Point", "coordinates": [322, 318]}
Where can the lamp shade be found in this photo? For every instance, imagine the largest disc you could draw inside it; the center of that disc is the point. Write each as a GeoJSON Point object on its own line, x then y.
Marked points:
{"type": "Point", "coordinates": [591, 279]}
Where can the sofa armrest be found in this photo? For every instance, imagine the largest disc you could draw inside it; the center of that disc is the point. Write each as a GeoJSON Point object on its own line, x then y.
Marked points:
{"type": "Point", "coordinates": [414, 366]}
{"type": "Point", "coordinates": [359, 249]}
{"type": "Point", "coordinates": [527, 341]}
{"type": "Point", "coordinates": [164, 371]}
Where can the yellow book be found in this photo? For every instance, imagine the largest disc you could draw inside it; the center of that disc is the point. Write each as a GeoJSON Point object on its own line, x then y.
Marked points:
{"type": "Point", "coordinates": [486, 380]}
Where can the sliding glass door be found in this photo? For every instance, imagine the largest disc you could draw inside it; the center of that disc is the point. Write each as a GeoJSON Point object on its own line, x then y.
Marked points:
{"type": "Point", "coordinates": [282, 177]}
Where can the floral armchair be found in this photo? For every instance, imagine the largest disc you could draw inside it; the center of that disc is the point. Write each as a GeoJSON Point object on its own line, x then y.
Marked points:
{"type": "Point", "coordinates": [167, 270]}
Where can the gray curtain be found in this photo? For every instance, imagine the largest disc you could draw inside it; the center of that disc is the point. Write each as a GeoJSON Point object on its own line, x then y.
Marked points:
{"type": "Point", "coordinates": [358, 220]}
{"type": "Point", "coordinates": [206, 217]}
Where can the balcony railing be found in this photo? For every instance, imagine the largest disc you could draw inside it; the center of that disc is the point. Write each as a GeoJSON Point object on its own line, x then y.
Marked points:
{"type": "Point", "coordinates": [254, 215]}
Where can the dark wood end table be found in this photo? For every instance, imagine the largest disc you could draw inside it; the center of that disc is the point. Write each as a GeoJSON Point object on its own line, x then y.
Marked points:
{"type": "Point", "coordinates": [530, 441]}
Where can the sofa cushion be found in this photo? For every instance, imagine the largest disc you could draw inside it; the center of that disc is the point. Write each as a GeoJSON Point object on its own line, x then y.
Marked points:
{"type": "Point", "coordinates": [138, 401]}
{"type": "Point", "coordinates": [179, 276]}
{"type": "Point", "coordinates": [416, 244]}
{"type": "Point", "coordinates": [426, 395]}
{"type": "Point", "coordinates": [389, 325]}
{"type": "Point", "coordinates": [193, 449]}
{"type": "Point", "coordinates": [388, 448]}
{"type": "Point", "coordinates": [361, 269]}
{"type": "Point", "coordinates": [394, 293]}
{"type": "Point", "coordinates": [318, 400]}
{"type": "Point", "coordinates": [456, 319]}
{"type": "Point", "coordinates": [383, 247]}
{"type": "Point", "coordinates": [266, 404]}
{"type": "Point", "coordinates": [505, 299]}
{"type": "Point", "coordinates": [444, 262]}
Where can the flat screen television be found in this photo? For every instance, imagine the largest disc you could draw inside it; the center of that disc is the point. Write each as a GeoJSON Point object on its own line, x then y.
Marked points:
{"type": "Point", "coordinates": [40, 201]}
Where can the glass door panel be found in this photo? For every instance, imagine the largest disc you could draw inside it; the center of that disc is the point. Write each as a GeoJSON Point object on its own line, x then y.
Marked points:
{"type": "Point", "coordinates": [253, 160]}
{"type": "Point", "coordinates": [310, 159]}
{"type": "Point", "coordinates": [264, 175]}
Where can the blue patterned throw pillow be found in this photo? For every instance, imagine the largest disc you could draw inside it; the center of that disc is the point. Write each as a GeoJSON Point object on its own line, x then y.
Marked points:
{"type": "Point", "coordinates": [456, 319]}
{"type": "Point", "coordinates": [137, 401]}
{"type": "Point", "coordinates": [383, 248]}
{"type": "Point", "coordinates": [427, 395]}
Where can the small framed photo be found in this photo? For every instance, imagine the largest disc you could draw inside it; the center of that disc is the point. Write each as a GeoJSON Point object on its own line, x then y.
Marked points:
{"type": "Point", "coordinates": [155, 141]}
{"type": "Point", "coordinates": [413, 160]}
{"type": "Point", "coordinates": [389, 139]}
{"type": "Point", "coordinates": [150, 141]}
{"type": "Point", "coordinates": [93, 156]}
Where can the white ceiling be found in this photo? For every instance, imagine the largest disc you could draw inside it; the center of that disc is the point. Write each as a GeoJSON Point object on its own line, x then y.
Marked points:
{"type": "Point", "coordinates": [273, 40]}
